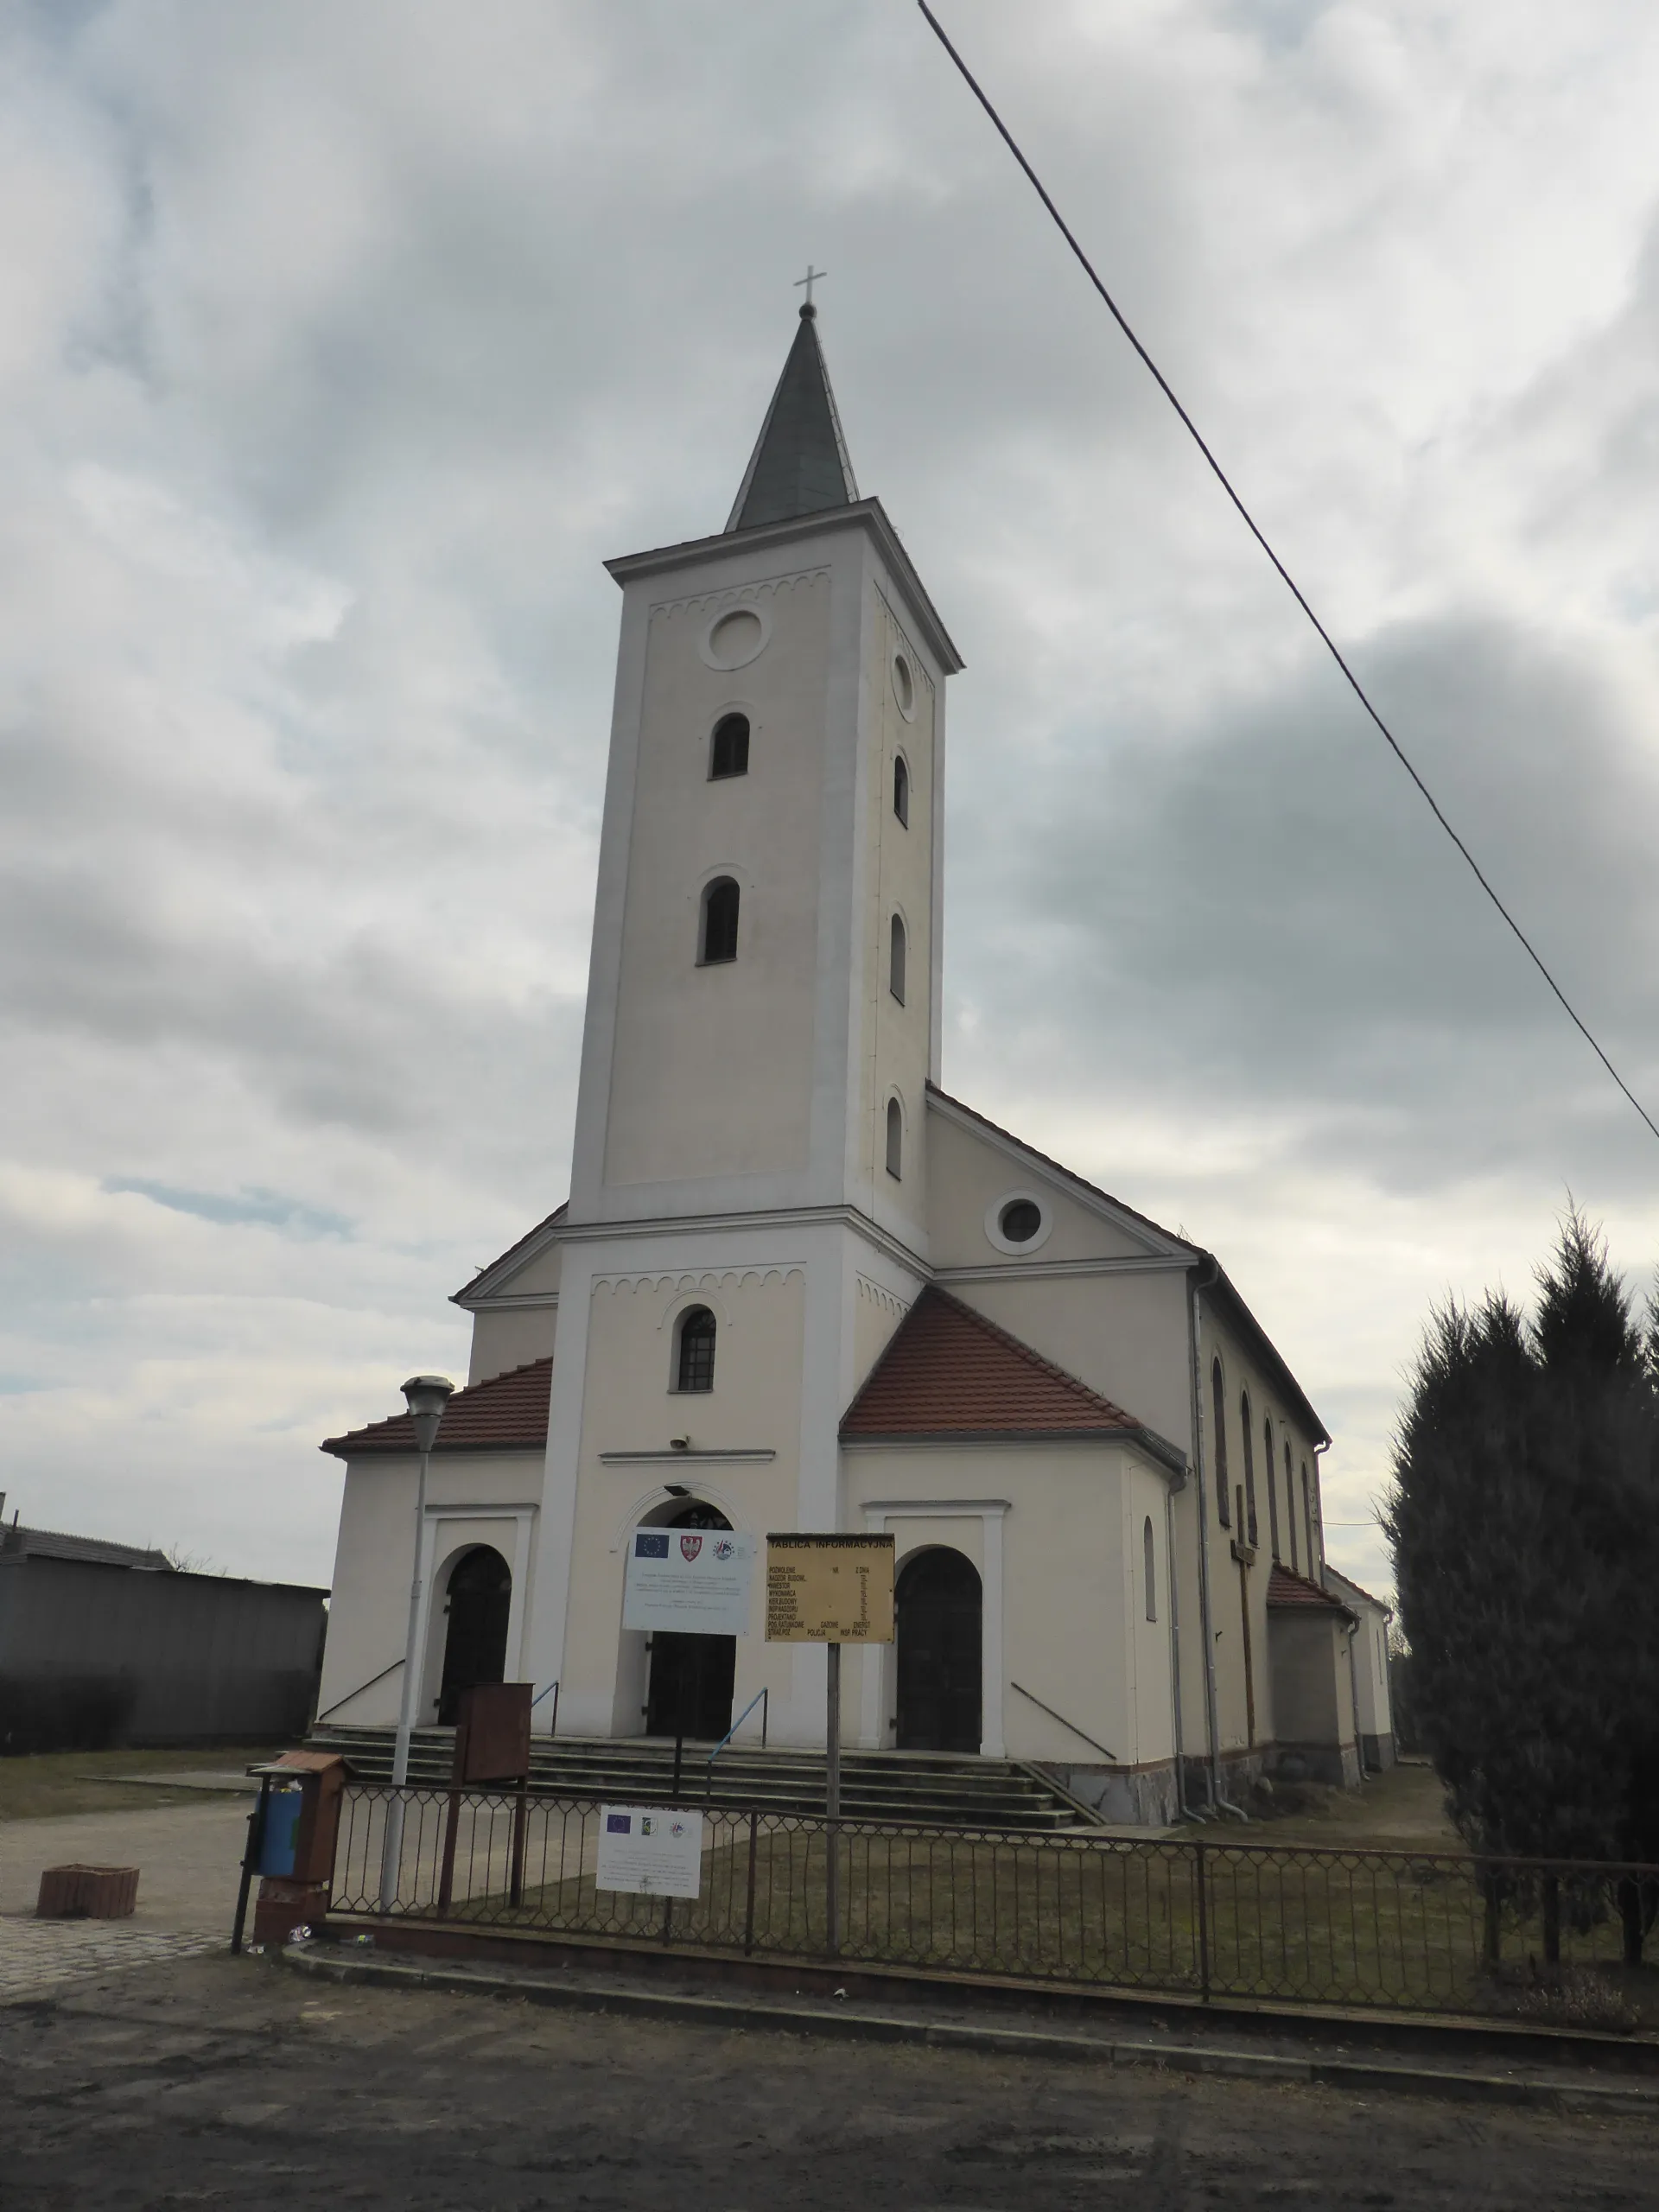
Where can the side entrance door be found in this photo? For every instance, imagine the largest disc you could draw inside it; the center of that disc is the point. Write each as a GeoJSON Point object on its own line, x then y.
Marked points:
{"type": "Point", "coordinates": [939, 1604]}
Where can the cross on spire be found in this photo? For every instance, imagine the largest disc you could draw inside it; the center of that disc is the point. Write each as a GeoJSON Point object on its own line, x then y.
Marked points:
{"type": "Point", "coordinates": [811, 277]}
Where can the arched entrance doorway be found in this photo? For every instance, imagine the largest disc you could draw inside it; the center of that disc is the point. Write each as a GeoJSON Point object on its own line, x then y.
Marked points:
{"type": "Point", "coordinates": [690, 1689]}
{"type": "Point", "coordinates": [938, 1603]}
{"type": "Point", "coordinates": [475, 1638]}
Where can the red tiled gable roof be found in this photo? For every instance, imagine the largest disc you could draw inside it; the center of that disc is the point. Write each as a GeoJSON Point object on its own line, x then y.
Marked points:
{"type": "Point", "coordinates": [1285, 1588]}
{"type": "Point", "coordinates": [507, 1414]}
{"type": "Point", "coordinates": [948, 1371]}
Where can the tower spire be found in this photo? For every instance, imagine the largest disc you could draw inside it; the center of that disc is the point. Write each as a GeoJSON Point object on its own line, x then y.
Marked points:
{"type": "Point", "coordinates": [800, 465]}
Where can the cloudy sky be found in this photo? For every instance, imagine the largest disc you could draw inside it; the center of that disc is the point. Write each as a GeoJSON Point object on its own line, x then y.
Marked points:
{"type": "Point", "coordinates": [339, 345]}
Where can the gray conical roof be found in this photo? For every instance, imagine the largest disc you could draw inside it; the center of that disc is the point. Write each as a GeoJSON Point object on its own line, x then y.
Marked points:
{"type": "Point", "coordinates": [800, 465]}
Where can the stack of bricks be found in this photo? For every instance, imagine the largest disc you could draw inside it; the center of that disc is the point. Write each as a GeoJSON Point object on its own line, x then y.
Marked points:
{"type": "Point", "coordinates": [87, 1893]}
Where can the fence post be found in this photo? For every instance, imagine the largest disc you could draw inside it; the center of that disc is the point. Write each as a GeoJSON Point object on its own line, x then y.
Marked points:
{"type": "Point", "coordinates": [748, 1910]}
{"type": "Point", "coordinates": [1202, 1881]}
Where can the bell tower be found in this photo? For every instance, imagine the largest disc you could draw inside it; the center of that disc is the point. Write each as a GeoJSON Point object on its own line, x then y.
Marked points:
{"type": "Point", "coordinates": [763, 1019]}
{"type": "Point", "coordinates": [763, 985]}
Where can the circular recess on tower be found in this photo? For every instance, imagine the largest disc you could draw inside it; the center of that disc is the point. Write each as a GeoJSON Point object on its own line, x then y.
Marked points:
{"type": "Point", "coordinates": [1018, 1223]}
{"type": "Point", "coordinates": [735, 636]}
{"type": "Point", "coordinates": [904, 686]}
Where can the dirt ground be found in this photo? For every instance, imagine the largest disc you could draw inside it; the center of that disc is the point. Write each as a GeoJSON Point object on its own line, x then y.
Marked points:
{"type": "Point", "coordinates": [43, 1785]}
{"type": "Point", "coordinates": [234, 2083]}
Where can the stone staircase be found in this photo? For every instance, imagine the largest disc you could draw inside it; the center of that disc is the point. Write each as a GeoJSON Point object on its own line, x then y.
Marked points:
{"type": "Point", "coordinates": [939, 1789]}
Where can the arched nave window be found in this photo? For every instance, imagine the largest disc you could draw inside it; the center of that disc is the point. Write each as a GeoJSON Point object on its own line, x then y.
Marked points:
{"type": "Point", "coordinates": [720, 921]}
{"type": "Point", "coordinates": [1273, 1486]}
{"type": "Point", "coordinates": [1290, 1511]}
{"type": "Point", "coordinates": [693, 1368]}
{"type": "Point", "coordinates": [901, 790]}
{"type": "Point", "coordinates": [1218, 1409]}
{"type": "Point", "coordinates": [895, 1139]}
{"type": "Point", "coordinates": [1249, 1530]}
{"type": "Point", "coordinates": [896, 960]}
{"type": "Point", "coordinates": [1149, 1568]}
{"type": "Point", "coordinates": [728, 749]}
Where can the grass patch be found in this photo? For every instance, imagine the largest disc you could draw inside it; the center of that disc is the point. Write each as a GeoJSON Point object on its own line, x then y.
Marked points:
{"type": "Point", "coordinates": [40, 1785]}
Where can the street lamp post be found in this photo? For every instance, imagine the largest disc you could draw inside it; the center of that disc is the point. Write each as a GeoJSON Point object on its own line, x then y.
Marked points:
{"type": "Point", "coordinates": [427, 1396]}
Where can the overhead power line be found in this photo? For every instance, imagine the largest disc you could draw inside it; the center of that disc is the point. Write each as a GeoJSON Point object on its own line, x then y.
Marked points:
{"type": "Point", "coordinates": [1289, 581]}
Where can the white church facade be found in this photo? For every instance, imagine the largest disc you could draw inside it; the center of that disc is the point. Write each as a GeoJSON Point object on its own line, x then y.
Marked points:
{"type": "Point", "coordinates": [797, 1286]}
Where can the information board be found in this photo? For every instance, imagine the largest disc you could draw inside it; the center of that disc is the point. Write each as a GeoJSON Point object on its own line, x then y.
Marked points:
{"type": "Point", "coordinates": [653, 1850]}
{"type": "Point", "coordinates": [828, 1589]}
{"type": "Point", "coordinates": [694, 1581]}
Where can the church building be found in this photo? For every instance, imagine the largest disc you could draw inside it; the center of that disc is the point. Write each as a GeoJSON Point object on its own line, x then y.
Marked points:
{"type": "Point", "coordinates": [797, 1285]}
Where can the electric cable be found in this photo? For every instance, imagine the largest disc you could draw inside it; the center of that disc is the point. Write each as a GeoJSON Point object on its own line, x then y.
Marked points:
{"type": "Point", "coordinates": [1289, 581]}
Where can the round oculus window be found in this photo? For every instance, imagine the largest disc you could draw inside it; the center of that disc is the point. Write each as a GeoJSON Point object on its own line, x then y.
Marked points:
{"type": "Point", "coordinates": [904, 686]}
{"type": "Point", "coordinates": [1019, 1220]}
{"type": "Point", "coordinates": [734, 638]}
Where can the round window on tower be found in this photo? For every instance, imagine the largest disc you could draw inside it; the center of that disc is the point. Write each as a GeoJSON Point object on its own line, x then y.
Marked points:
{"type": "Point", "coordinates": [735, 636]}
{"type": "Point", "coordinates": [904, 686]}
{"type": "Point", "coordinates": [1018, 1223]}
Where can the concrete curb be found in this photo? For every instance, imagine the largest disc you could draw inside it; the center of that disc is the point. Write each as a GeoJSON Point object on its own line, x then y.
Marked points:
{"type": "Point", "coordinates": [1582, 2098]}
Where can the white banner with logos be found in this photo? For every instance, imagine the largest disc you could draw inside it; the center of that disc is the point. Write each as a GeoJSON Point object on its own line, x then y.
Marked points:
{"type": "Point", "coordinates": [653, 1850]}
{"type": "Point", "coordinates": [692, 1580]}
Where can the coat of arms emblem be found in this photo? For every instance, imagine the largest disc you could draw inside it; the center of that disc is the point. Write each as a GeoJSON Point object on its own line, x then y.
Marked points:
{"type": "Point", "coordinates": [690, 1546]}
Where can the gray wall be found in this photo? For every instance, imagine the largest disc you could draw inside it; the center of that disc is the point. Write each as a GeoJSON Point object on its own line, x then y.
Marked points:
{"type": "Point", "coordinates": [93, 1656]}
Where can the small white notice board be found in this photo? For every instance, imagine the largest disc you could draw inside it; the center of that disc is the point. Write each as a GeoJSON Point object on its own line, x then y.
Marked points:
{"type": "Point", "coordinates": [653, 1850]}
{"type": "Point", "coordinates": [695, 1581]}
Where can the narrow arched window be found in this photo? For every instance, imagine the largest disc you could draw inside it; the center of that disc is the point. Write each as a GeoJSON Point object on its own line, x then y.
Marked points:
{"type": "Point", "coordinates": [728, 749]}
{"type": "Point", "coordinates": [1149, 1568]}
{"type": "Point", "coordinates": [896, 960]}
{"type": "Point", "coordinates": [1218, 1409]}
{"type": "Point", "coordinates": [1273, 1485]}
{"type": "Point", "coordinates": [901, 790]}
{"type": "Point", "coordinates": [1249, 1530]}
{"type": "Point", "coordinates": [694, 1370]}
{"type": "Point", "coordinates": [720, 921]}
{"type": "Point", "coordinates": [895, 1139]}
{"type": "Point", "coordinates": [1290, 1511]}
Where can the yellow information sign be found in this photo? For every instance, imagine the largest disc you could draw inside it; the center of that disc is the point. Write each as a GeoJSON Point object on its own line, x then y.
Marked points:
{"type": "Point", "coordinates": [828, 1589]}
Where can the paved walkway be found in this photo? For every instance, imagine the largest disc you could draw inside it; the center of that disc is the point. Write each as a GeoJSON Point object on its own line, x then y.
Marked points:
{"type": "Point", "coordinates": [188, 1857]}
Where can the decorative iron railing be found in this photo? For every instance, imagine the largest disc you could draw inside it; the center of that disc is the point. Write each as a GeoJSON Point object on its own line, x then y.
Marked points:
{"type": "Point", "coordinates": [1423, 1931]}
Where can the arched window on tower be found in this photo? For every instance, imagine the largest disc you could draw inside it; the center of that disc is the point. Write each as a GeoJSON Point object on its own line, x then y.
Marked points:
{"type": "Point", "coordinates": [895, 1139]}
{"type": "Point", "coordinates": [728, 749]}
{"type": "Point", "coordinates": [901, 790]}
{"type": "Point", "coordinates": [1290, 1512]}
{"type": "Point", "coordinates": [1247, 1532]}
{"type": "Point", "coordinates": [1149, 1568]}
{"type": "Point", "coordinates": [694, 1366]}
{"type": "Point", "coordinates": [1218, 1409]}
{"type": "Point", "coordinates": [896, 960]}
{"type": "Point", "coordinates": [1273, 1485]}
{"type": "Point", "coordinates": [719, 921]}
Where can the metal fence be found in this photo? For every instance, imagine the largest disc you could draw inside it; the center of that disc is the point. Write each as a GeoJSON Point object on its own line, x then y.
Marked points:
{"type": "Point", "coordinates": [1421, 1931]}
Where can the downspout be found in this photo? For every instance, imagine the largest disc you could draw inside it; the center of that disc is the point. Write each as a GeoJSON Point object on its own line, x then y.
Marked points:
{"type": "Point", "coordinates": [1175, 1483]}
{"type": "Point", "coordinates": [1201, 1281]}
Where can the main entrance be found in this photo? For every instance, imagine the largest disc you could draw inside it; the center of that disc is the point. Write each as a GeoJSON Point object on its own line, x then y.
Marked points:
{"type": "Point", "coordinates": [475, 1646]}
{"type": "Point", "coordinates": [690, 1691]}
{"type": "Point", "coordinates": [939, 1603]}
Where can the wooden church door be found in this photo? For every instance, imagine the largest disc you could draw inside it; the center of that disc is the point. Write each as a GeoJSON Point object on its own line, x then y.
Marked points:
{"type": "Point", "coordinates": [939, 1628]}
{"type": "Point", "coordinates": [475, 1646]}
{"type": "Point", "coordinates": [691, 1679]}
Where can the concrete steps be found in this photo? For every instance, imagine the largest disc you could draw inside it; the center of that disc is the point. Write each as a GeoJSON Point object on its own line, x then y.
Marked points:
{"type": "Point", "coordinates": [939, 1789]}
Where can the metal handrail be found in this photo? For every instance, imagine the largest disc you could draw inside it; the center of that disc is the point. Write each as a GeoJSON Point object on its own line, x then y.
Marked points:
{"type": "Point", "coordinates": [1093, 1740]}
{"type": "Point", "coordinates": [553, 1725]}
{"type": "Point", "coordinates": [760, 1697]}
{"type": "Point", "coordinates": [359, 1691]}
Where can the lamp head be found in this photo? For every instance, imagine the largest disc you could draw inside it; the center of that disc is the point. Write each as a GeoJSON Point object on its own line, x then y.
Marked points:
{"type": "Point", "coordinates": [427, 1395]}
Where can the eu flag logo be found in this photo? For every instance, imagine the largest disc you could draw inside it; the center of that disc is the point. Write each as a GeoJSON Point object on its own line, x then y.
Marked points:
{"type": "Point", "coordinates": [648, 1544]}
{"type": "Point", "coordinates": [617, 1823]}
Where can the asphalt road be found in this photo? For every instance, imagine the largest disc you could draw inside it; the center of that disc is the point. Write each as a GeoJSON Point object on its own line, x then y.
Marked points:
{"type": "Point", "coordinates": [209, 2081]}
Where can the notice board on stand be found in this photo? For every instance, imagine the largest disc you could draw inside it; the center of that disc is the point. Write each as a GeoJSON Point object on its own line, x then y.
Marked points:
{"type": "Point", "coordinates": [828, 1589]}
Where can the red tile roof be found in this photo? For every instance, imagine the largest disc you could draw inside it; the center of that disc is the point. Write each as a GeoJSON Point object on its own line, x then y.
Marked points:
{"type": "Point", "coordinates": [949, 1372]}
{"type": "Point", "coordinates": [1285, 1588]}
{"type": "Point", "coordinates": [507, 1414]}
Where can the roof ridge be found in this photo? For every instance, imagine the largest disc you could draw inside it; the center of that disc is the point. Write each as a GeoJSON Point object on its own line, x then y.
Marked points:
{"type": "Point", "coordinates": [501, 1258]}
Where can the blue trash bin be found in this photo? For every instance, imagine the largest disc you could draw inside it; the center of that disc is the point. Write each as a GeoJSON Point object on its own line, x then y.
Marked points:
{"type": "Point", "coordinates": [281, 1830]}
